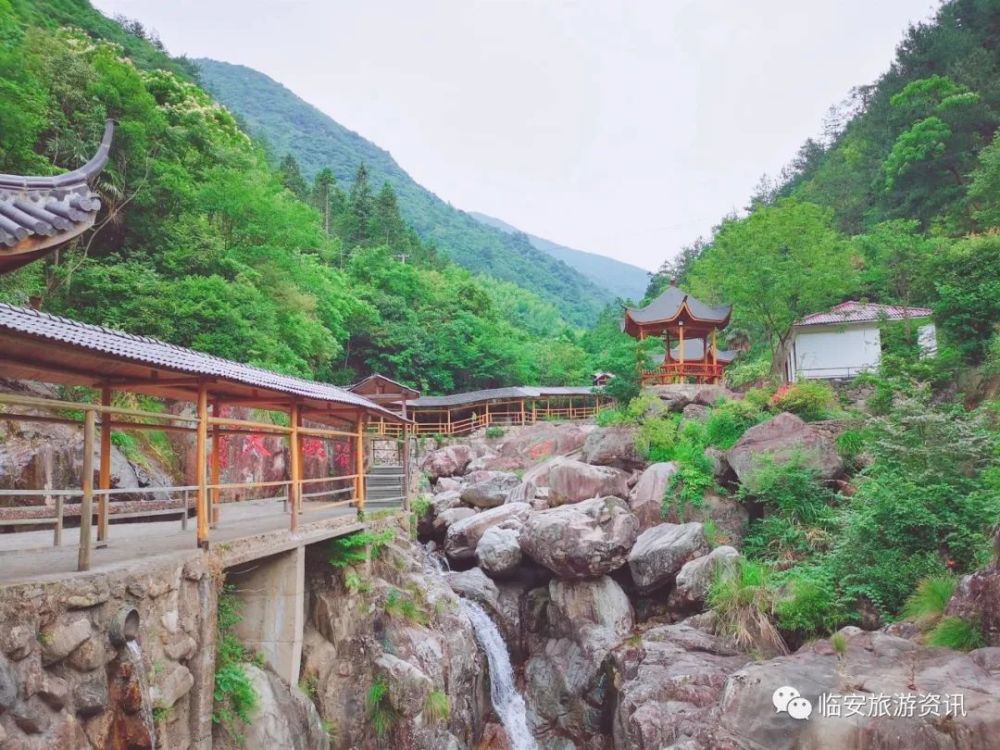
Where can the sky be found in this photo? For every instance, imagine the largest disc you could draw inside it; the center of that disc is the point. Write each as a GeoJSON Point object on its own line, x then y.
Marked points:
{"type": "Point", "coordinates": [624, 128]}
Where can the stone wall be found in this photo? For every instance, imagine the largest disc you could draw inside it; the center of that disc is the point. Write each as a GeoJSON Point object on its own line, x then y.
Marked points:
{"type": "Point", "coordinates": [66, 683]}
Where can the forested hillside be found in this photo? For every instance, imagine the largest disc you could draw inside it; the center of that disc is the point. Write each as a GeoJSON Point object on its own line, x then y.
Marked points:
{"type": "Point", "coordinates": [899, 202]}
{"type": "Point", "coordinates": [622, 279]}
{"type": "Point", "coordinates": [203, 243]}
{"type": "Point", "coordinates": [291, 126]}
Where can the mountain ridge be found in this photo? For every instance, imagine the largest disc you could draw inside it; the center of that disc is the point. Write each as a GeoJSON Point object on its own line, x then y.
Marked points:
{"type": "Point", "coordinates": [288, 124]}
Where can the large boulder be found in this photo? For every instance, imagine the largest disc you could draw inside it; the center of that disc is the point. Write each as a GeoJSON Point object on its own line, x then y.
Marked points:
{"type": "Point", "coordinates": [284, 717]}
{"type": "Point", "coordinates": [590, 610]}
{"type": "Point", "coordinates": [449, 461]}
{"type": "Point", "coordinates": [499, 551]}
{"type": "Point", "coordinates": [475, 585]}
{"type": "Point", "coordinates": [584, 540]}
{"type": "Point", "coordinates": [463, 536]}
{"type": "Point", "coordinates": [695, 577]}
{"type": "Point", "coordinates": [729, 516]}
{"type": "Point", "coordinates": [490, 491]}
{"type": "Point", "coordinates": [679, 395]}
{"type": "Point", "coordinates": [570, 481]}
{"type": "Point", "coordinates": [646, 497]}
{"type": "Point", "coordinates": [660, 552]}
{"type": "Point", "coordinates": [872, 671]}
{"type": "Point", "coordinates": [541, 441]}
{"type": "Point", "coordinates": [447, 518]}
{"type": "Point", "coordinates": [977, 598]}
{"type": "Point", "coordinates": [612, 446]}
{"type": "Point", "coordinates": [779, 439]}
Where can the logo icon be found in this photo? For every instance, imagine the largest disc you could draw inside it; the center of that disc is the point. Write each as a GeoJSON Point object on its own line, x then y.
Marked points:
{"type": "Point", "coordinates": [787, 699]}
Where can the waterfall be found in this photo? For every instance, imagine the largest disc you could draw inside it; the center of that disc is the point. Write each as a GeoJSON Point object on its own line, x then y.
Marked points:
{"type": "Point", "coordinates": [135, 654]}
{"type": "Point", "coordinates": [507, 702]}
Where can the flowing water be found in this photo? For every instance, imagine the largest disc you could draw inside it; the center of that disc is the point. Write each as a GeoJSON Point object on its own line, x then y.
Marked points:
{"type": "Point", "coordinates": [507, 701]}
{"type": "Point", "coordinates": [135, 654]}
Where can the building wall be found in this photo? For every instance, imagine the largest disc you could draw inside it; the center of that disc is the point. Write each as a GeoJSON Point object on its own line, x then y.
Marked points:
{"type": "Point", "coordinates": [834, 352]}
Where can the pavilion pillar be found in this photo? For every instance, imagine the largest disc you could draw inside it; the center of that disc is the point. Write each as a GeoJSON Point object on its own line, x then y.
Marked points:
{"type": "Point", "coordinates": [522, 411]}
{"type": "Point", "coordinates": [295, 465]}
{"type": "Point", "coordinates": [487, 422]}
{"type": "Point", "coordinates": [406, 467]}
{"type": "Point", "coordinates": [87, 502]}
{"type": "Point", "coordinates": [449, 420]}
{"type": "Point", "coordinates": [104, 472]}
{"type": "Point", "coordinates": [216, 466]}
{"type": "Point", "coordinates": [359, 464]}
{"type": "Point", "coordinates": [534, 412]}
{"type": "Point", "coordinates": [201, 477]}
{"type": "Point", "coordinates": [715, 362]}
{"type": "Point", "coordinates": [680, 351]}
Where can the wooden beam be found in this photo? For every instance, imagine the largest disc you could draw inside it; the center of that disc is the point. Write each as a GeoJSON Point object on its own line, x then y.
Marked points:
{"type": "Point", "coordinates": [359, 468]}
{"type": "Point", "coordinates": [216, 463]}
{"type": "Point", "coordinates": [104, 477]}
{"type": "Point", "coordinates": [87, 504]}
{"type": "Point", "coordinates": [190, 380]}
{"type": "Point", "coordinates": [295, 465]}
{"type": "Point", "coordinates": [201, 501]}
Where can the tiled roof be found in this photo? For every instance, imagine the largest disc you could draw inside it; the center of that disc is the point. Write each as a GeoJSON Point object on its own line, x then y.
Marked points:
{"type": "Point", "coordinates": [669, 303]}
{"type": "Point", "coordinates": [377, 376]}
{"type": "Point", "coordinates": [40, 213]}
{"type": "Point", "coordinates": [491, 394]}
{"type": "Point", "coordinates": [150, 351]}
{"type": "Point", "coordinates": [694, 351]}
{"type": "Point", "coordinates": [863, 312]}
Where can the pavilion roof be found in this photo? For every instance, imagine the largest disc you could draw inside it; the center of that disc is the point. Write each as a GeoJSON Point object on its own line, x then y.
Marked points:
{"type": "Point", "coordinates": [671, 304]}
{"type": "Point", "coordinates": [39, 213]}
{"type": "Point", "coordinates": [694, 351]}
{"type": "Point", "coordinates": [853, 311]}
{"type": "Point", "coordinates": [42, 346]}
{"type": "Point", "coordinates": [366, 386]}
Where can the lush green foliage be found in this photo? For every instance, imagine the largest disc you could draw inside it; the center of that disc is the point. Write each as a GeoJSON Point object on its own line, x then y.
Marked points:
{"type": "Point", "coordinates": [379, 711]}
{"type": "Point", "coordinates": [926, 605]}
{"type": "Point", "coordinates": [744, 602]}
{"type": "Point", "coordinates": [956, 633]}
{"type": "Point", "coordinates": [810, 399]}
{"type": "Point", "coordinates": [235, 696]}
{"type": "Point", "coordinates": [358, 547]}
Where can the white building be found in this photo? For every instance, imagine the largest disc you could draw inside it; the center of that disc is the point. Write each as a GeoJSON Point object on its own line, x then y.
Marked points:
{"type": "Point", "coordinates": [846, 340]}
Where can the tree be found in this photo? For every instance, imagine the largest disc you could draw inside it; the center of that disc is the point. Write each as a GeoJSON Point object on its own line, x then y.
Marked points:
{"type": "Point", "coordinates": [291, 176]}
{"type": "Point", "coordinates": [356, 223]}
{"type": "Point", "coordinates": [327, 197]}
{"type": "Point", "coordinates": [775, 266]}
{"type": "Point", "coordinates": [896, 263]}
{"type": "Point", "coordinates": [388, 226]}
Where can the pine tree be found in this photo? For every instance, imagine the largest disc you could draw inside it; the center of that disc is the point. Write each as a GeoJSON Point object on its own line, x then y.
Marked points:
{"type": "Point", "coordinates": [327, 197]}
{"type": "Point", "coordinates": [388, 224]}
{"type": "Point", "coordinates": [356, 229]}
{"type": "Point", "coordinates": [291, 177]}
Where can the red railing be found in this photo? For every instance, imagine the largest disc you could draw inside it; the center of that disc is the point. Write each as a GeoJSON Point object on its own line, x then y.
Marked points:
{"type": "Point", "coordinates": [682, 372]}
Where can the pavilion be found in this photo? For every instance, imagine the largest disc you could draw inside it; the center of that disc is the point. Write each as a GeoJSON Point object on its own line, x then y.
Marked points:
{"type": "Point", "coordinates": [689, 329]}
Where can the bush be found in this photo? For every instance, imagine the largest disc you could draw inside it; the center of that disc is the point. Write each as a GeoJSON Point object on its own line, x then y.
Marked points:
{"type": "Point", "coordinates": [745, 372]}
{"type": "Point", "coordinates": [808, 604]}
{"type": "Point", "coordinates": [695, 474]}
{"type": "Point", "coordinates": [354, 548]}
{"type": "Point", "coordinates": [792, 489]}
{"type": "Point", "coordinates": [656, 439]}
{"type": "Point", "coordinates": [494, 432]}
{"type": "Point", "coordinates": [744, 602]}
{"type": "Point", "coordinates": [956, 633]}
{"type": "Point", "coordinates": [729, 420]}
{"type": "Point", "coordinates": [810, 399]}
{"type": "Point", "coordinates": [928, 602]}
{"type": "Point", "coordinates": [235, 697]}
{"type": "Point", "coordinates": [850, 443]}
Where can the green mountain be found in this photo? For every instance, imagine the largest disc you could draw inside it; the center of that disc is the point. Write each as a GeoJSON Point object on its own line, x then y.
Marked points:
{"type": "Point", "coordinates": [621, 279]}
{"type": "Point", "coordinates": [290, 125]}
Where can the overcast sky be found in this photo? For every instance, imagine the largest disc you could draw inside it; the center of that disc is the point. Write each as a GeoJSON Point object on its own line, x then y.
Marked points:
{"type": "Point", "coordinates": [625, 128]}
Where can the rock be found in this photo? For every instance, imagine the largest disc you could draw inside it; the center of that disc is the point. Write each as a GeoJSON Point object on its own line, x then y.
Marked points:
{"type": "Point", "coordinates": [490, 492]}
{"type": "Point", "coordinates": [498, 551]}
{"type": "Point", "coordinates": [872, 664]}
{"type": "Point", "coordinates": [54, 691]}
{"type": "Point", "coordinates": [18, 641]}
{"type": "Point", "coordinates": [443, 521]}
{"type": "Point", "coordinates": [181, 648]}
{"type": "Point", "coordinates": [696, 576]}
{"type": "Point", "coordinates": [90, 694]}
{"type": "Point", "coordinates": [8, 685]}
{"type": "Point", "coordinates": [580, 607]}
{"type": "Point", "coordinates": [475, 585]}
{"type": "Point", "coordinates": [977, 598]}
{"type": "Point", "coordinates": [408, 687]}
{"type": "Point", "coordinates": [722, 472]}
{"type": "Point", "coordinates": [463, 536]}
{"type": "Point", "coordinates": [679, 395]}
{"type": "Point", "coordinates": [779, 439]}
{"type": "Point", "coordinates": [525, 492]}
{"type": "Point", "coordinates": [31, 716]}
{"type": "Point", "coordinates": [60, 639]}
{"type": "Point", "coordinates": [646, 497]}
{"type": "Point", "coordinates": [542, 441]}
{"type": "Point", "coordinates": [169, 689]}
{"type": "Point", "coordinates": [584, 540]}
{"type": "Point", "coordinates": [612, 446]}
{"type": "Point", "coordinates": [284, 717]}
{"type": "Point", "coordinates": [696, 412]}
{"type": "Point", "coordinates": [730, 517]}
{"type": "Point", "coordinates": [570, 481]}
{"type": "Point", "coordinates": [446, 501]}
{"type": "Point", "coordinates": [446, 462]}
{"type": "Point", "coordinates": [88, 656]}
{"type": "Point", "coordinates": [669, 687]}
{"type": "Point", "coordinates": [447, 484]}
{"type": "Point", "coordinates": [660, 552]}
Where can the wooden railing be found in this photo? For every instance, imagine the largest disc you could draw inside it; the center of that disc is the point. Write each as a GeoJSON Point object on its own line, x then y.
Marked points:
{"type": "Point", "coordinates": [682, 372]}
{"type": "Point", "coordinates": [497, 414]}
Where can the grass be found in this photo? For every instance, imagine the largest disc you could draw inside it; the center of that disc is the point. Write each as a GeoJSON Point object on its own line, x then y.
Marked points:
{"type": "Point", "coordinates": [355, 583]}
{"type": "Point", "coordinates": [744, 604]}
{"type": "Point", "coordinates": [711, 531]}
{"type": "Point", "coordinates": [355, 548]}
{"type": "Point", "coordinates": [956, 633]}
{"type": "Point", "coordinates": [437, 707]}
{"type": "Point", "coordinates": [234, 695]}
{"type": "Point", "coordinates": [398, 604]}
{"type": "Point", "coordinates": [839, 643]}
{"type": "Point", "coordinates": [927, 603]}
{"type": "Point", "coordinates": [378, 710]}
{"type": "Point", "coordinates": [494, 432]}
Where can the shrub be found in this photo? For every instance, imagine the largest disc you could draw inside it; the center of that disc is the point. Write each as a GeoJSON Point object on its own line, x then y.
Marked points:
{"type": "Point", "coordinates": [956, 633]}
{"type": "Point", "coordinates": [808, 604]}
{"type": "Point", "coordinates": [235, 697]}
{"type": "Point", "coordinates": [850, 443]}
{"type": "Point", "coordinates": [379, 711]}
{"type": "Point", "coordinates": [926, 605]}
{"type": "Point", "coordinates": [437, 706]}
{"type": "Point", "coordinates": [745, 372]}
{"type": "Point", "coordinates": [810, 399]}
{"type": "Point", "coordinates": [744, 602]}
{"type": "Point", "coordinates": [656, 438]}
{"type": "Point", "coordinates": [792, 489]}
{"type": "Point", "coordinates": [494, 432]}
{"type": "Point", "coordinates": [354, 548]}
{"type": "Point", "coordinates": [729, 420]}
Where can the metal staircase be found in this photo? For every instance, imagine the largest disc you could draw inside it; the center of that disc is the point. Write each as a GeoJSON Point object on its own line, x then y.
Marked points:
{"type": "Point", "coordinates": [384, 487]}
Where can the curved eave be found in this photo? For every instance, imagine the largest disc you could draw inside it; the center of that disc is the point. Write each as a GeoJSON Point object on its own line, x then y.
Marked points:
{"type": "Point", "coordinates": [78, 176]}
{"type": "Point", "coordinates": [683, 314]}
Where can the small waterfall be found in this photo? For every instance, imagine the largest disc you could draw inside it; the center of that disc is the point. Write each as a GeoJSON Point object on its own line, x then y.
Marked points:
{"type": "Point", "coordinates": [507, 702]}
{"type": "Point", "coordinates": [135, 654]}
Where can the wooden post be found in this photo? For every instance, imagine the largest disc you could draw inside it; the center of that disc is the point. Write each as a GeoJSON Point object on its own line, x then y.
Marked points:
{"type": "Point", "coordinates": [216, 466]}
{"type": "Point", "coordinates": [680, 351]}
{"type": "Point", "coordinates": [715, 363]}
{"type": "Point", "coordinates": [200, 473]}
{"type": "Point", "coordinates": [406, 468]}
{"type": "Point", "coordinates": [104, 473]}
{"type": "Point", "coordinates": [295, 468]}
{"type": "Point", "coordinates": [487, 422]}
{"type": "Point", "coordinates": [359, 469]}
{"type": "Point", "coordinates": [522, 411]}
{"type": "Point", "coordinates": [449, 420]}
{"type": "Point", "coordinates": [534, 412]}
{"type": "Point", "coordinates": [87, 505]}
